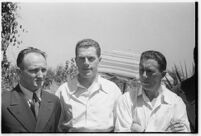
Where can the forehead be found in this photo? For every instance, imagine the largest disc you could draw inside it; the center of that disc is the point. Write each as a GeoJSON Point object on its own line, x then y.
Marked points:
{"type": "Point", "coordinates": [34, 59]}
{"type": "Point", "coordinates": [90, 51]}
{"type": "Point", "coordinates": [149, 63]}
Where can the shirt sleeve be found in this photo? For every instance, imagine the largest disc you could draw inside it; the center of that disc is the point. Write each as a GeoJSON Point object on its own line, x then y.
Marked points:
{"type": "Point", "coordinates": [180, 114]}
{"type": "Point", "coordinates": [64, 124]}
{"type": "Point", "coordinates": [123, 118]}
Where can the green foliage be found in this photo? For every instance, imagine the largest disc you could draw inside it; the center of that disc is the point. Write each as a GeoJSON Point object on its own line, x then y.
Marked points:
{"type": "Point", "coordinates": [61, 74]}
{"type": "Point", "coordinates": [10, 27]}
{"type": "Point", "coordinates": [71, 68]}
{"type": "Point", "coordinates": [58, 76]}
{"type": "Point", "coordinates": [9, 37]}
{"type": "Point", "coordinates": [10, 79]}
{"type": "Point", "coordinates": [49, 78]}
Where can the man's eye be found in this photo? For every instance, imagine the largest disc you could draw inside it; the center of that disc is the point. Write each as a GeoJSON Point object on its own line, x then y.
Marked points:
{"type": "Point", "coordinates": [91, 59]}
{"type": "Point", "coordinates": [150, 72]}
{"type": "Point", "coordinates": [44, 70]}
{"type": "Point", "coordinates": [33, 70]}
{"type": "Point", "coordinates": [81, 58]}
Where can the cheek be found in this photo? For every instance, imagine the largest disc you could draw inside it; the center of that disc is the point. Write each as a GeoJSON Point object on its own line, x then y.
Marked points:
{"type": "Point", "coordinates": [155, 81]}
{"type": "Point", "coordinates": [79, 65]}
{"type": "Point", "coordinates": [44, 74]}
{"type": "Point", "coordinates": [28, 76]}
{"type": "Point", "coordinates": [95, 64]}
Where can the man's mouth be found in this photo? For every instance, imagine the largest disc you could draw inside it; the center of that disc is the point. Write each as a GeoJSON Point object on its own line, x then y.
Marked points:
{"type": "Point", "coordinates": [86, 69]}
{"type": "Point", "coordinates": [145, 82]}
{"type": "Point", "coordinates": [39, 80]}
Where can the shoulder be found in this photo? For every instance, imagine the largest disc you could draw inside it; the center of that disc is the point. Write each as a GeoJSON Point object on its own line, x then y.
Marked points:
{"type": "Point", "coordinates": [50, 96]}
{"type": "Point", "coordinates": [109, 86]}
{"type": "Point", "coordinates": [61, 88]}
{"type": "Point", "coordinates": [6, 93]}
{"type": "Point", "coordinates": [171, 97]}
{"type": "Point", "coordinates": [125, 99]}
{"type": "Point", "coordinates": [107, 83]}
{"type": "Point", "coordinates": [6, 96]}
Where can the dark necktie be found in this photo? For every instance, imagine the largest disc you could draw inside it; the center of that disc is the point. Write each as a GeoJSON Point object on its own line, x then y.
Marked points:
{"type": "Point", "coordinates": [35, 105]}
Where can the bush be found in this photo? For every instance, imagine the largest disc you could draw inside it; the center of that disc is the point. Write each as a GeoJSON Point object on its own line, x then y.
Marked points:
{"type": "Point", "coordinates": [9, 78]}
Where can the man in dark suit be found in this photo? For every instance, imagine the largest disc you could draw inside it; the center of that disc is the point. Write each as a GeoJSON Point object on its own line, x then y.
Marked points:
{"type": "Point", "coordinates": [27, 107]}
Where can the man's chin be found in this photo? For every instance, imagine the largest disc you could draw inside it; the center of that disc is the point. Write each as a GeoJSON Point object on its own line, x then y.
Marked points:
{"type": "Point", "coordinates": [146, 87]}
{"type": "Point", "coordinates": [86, 75]}
{"type": "Point", "coordinates": [37, 86]}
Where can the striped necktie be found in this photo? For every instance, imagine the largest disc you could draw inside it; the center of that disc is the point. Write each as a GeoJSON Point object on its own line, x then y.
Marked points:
{"type": "Point", "coordinates": [35, 105]}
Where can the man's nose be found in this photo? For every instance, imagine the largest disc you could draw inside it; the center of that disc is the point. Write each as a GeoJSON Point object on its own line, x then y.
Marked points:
{"type": "Point", "coordinates": [86, 61]}
{"type": "Point", "coordinates": [40, 74]}
{"type": "Point", "coordinates": [144, 74]}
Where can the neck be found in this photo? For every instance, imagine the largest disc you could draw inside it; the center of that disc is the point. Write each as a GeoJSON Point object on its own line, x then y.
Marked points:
{"type": "Point", "coordinates": [86, 82]}
{"type": "Point", "coordinates": [151, 94]}
{"type": "Point", "coordinates": [26, 87]}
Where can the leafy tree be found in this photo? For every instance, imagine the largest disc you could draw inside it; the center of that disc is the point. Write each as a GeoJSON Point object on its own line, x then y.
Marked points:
{"type": "Point", "coordinates": [9, 36]}
{"type": "Point", "coordinates": [10, 27]}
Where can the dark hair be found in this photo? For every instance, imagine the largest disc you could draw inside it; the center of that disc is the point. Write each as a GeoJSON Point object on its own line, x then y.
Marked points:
{"type": "Point", "coordinates": [26, 51]}
{"type": "Point", "coordinates": [159, 57]}
{"type": "Point", "coordinates": [86, 43]}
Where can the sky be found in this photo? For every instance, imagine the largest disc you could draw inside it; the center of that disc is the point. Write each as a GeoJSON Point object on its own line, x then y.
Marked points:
{"type": "Point", "coordinates": [130, 27]}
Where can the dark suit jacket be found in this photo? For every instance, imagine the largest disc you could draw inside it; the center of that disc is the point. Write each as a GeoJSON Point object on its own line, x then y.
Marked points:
{"type": "Point", "coordinates": [18, 117]}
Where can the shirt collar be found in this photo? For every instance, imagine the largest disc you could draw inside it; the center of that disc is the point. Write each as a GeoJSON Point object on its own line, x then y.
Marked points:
{"type": "Point", "coordinates": [163, 95]}
{"type": "Point", "coordinates": [166, 96]}
{"type": "Point", "coordinates": [100, 86]}
{"type": "Point", "coordinates": [74, 85]}
{"type": "Point", "coordinates": [29, 94]}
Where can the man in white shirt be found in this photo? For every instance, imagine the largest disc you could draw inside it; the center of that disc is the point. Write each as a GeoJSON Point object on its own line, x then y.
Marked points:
{"type": "Point", "coordinates": [88, 100]}
{"type": "Point", "coordinates": [151, 107]}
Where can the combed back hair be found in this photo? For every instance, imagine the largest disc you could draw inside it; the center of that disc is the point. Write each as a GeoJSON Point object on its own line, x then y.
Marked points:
{"type": "Point", "coordinates": [86, 43]}
{"type": "Point", "coordinates": [26, 51]}
{"type": "Point", "coordinates": [159, 57]}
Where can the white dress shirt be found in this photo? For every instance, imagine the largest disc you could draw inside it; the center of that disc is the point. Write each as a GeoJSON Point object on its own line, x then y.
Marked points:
{"type": "Point", "coordinates": [154, 116]}
{"type": "Point", "coordinates": [89, 109]}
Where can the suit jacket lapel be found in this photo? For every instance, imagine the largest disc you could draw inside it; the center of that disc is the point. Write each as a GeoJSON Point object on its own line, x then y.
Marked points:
{"type": "Point", "coordinates": [45, 111]}
{"type": "Point", "coordinates": [21, 110]}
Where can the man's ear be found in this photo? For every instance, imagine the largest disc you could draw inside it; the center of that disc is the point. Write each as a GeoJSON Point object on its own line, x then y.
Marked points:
{"type": "Point", "coordinates": [100, 58]}
{"type": "Point", "coordinates": [163, 74]}
{"type": "Point", "coordinates": [18, 70]}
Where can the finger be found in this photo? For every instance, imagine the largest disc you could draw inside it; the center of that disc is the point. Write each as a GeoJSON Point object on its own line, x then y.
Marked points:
{"type": "Point", "coordinates": [179, 125]}
{"type": "Point", "coordinates": [179, 128]}
{"type": "Point", "coordinates": [176, 122]}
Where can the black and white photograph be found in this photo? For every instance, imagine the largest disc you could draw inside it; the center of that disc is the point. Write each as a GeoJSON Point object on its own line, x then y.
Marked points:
{"type": "Point", "coordinates": [99, 67]}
